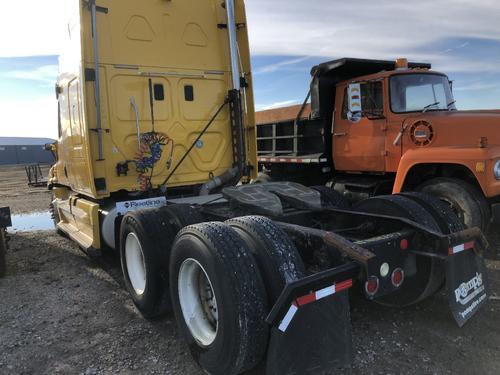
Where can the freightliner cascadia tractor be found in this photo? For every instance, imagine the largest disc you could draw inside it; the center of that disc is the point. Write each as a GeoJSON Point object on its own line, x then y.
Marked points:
{"type": "Point", "coordinates": [380, 127]}
{"type": "Point", "coordinates": [156, 151]}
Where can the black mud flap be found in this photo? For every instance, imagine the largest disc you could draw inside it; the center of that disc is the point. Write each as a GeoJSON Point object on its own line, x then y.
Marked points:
{"type": "Point", "coordinates": [313, 338]}
{"type": "Point", "coordinates": [466, 282]}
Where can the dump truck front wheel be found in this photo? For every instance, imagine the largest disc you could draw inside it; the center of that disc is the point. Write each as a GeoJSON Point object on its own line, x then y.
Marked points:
{"type": "Point", "coordinates": [467, 202]}
{"type": "Point", "coordinates": [219, 299]}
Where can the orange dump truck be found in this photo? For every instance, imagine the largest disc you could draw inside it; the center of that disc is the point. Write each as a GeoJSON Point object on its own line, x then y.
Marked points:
{"type": "Point", "coordinates": [378, 127]}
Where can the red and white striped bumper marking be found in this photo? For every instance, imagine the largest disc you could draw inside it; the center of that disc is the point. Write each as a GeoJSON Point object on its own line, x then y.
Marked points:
{"type": "Point", "coordinates": [292, 160]}
{"type": "Point", "coordinates": [288, 317]}
{"type": "Point", "coordinates": [458, 249]}
{"type": "Point", "coordinates": [310, 298]}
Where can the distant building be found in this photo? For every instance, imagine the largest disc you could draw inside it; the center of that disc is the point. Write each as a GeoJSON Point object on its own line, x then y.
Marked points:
{"type": "Point", "coordinates": [283, 114]}
{"type": "Point", "coordinates": [16, 150]}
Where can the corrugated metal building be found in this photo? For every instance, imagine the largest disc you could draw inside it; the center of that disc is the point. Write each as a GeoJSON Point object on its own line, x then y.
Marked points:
{"type": "Point", "coordinates": [17, 150]}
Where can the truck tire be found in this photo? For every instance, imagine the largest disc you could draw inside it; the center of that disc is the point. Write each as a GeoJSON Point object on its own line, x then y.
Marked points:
{"type": "Point", "coordinates": [446, 218]}
{"type": "Point", "coordinates": [277, 257]}
{"type": "Point", "coordinates": [146, 238]}
{"type": "Point", "coordinates": [430, 274]}
{"type": "Point", "coordinates": [331, 197]}
{"type": "Point", "coordinates": [218, 298]}
{"type": "Point", "coordinates": [182, 215]}
{"type": "Point", "coordinates": [467, 201]}
{"type": "Point", "coordinates": [3, 250]}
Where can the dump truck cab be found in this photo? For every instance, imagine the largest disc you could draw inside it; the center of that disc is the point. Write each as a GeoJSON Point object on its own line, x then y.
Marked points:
{"type": "Point", "coordinates": [372, 109]}
{"type": "Point", "coordinates": [389, 127]}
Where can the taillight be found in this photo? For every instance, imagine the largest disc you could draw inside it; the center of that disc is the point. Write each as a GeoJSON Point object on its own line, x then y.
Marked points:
{"type": "Point", "coordinates": [371, 285]}
{"type": "Point", "coordinates": [397, 278]}
{"type": "Point", "coordinates": [404, 244]}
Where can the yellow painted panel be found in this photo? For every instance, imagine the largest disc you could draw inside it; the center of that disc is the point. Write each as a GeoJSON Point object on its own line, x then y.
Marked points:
{"type": "Point", "coordinates": [176, 44]}
{"type": "Point", "coordinates": [124, 87]}
{"type": "Point", "coordinates": [208, 95]}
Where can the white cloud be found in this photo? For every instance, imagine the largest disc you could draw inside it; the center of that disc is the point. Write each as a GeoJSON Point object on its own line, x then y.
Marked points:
{"type": "Point", "coordinates": [29, 118]}
{"type": "Point", "coordinates": [478, 86]}
{"type": "Point", "coordinates": [32, 27]}
{"type": "Point", "coordinates": [275, 67]}
{"type": "Point", "coordinates": [286, 103]}
{"type": "Point", "coordinates": [45, 74]}
{"type": "Point", "coordinates": [357, 28]}
{"type": "Point", "coordinates": [367, 28]}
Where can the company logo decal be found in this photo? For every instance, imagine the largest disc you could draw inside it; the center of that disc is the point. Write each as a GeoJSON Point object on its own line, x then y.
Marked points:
{"type": "Point", "coordinates": [470, 289]}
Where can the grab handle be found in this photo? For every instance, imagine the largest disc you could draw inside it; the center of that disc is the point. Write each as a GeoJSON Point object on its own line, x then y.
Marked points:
{"type": "Point", "coordinates": [137, 124]}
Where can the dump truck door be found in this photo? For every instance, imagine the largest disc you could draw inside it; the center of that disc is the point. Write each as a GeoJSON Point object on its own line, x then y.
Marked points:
{"type": "Point", "coordinates": [359, 145]}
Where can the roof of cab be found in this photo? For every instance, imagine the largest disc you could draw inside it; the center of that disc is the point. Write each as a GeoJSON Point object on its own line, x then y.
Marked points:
{"type": "Point", "coordinates": [347, 68]}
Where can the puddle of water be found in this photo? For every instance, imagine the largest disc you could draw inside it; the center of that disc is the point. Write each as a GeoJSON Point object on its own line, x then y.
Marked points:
{"type": "Point", "coordinates": [31, 222]}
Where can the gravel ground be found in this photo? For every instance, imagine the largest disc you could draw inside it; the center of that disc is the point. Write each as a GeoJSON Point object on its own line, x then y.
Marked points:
{"type": "Point", "coordinates": [15, 192]}
{"type": "Point", "coordinates": [64, 313]}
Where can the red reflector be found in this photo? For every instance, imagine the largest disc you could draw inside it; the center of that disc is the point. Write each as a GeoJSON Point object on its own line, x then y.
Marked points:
{"type": "Point", "coordinates": [343, 285]}
{"type": "Point", "coordinates": [371, 285]}
{"type": "Point", "coordinates": [404, 244]}
{"type": "Point", "coordinates": [398, 276]}
{"type": "Point", "coordinates": [304, 300]}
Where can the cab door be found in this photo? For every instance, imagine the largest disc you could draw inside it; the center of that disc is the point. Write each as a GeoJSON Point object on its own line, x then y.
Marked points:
{"type": "Point", "coordinates": [359, 141]}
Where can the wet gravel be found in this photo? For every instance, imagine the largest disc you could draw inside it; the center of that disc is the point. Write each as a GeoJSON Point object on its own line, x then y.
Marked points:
{"type": "Point", "coordinates": [64, 313]}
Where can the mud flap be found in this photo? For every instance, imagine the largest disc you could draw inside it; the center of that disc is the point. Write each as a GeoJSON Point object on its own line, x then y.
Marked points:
{"type": "Point", "coordinates": [466, 282]}
{"type": "Point", "coordinates": [312, 338]}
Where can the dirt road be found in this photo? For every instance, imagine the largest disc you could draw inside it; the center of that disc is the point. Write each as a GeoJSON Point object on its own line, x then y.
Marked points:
{"type": "Point", "coordinates": [64, 313]}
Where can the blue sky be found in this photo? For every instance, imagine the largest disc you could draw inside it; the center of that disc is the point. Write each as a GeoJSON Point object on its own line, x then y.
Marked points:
{"type": "Point", "coordinates": [459, 37]}
{"type": "Point", "coordinates": [283, 80]}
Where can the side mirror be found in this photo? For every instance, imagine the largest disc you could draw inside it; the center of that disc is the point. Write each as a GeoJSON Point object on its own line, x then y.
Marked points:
{"type": "Point", "coordinates": [355, 111]}
{"type": "Point", "coordinates": [58, 91]}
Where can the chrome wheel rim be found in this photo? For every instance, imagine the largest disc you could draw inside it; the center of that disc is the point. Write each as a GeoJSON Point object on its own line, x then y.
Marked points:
{"type": "Point", "coordinates": [198, 302]}
{"type": "Point", "coordinates": [136, 267]}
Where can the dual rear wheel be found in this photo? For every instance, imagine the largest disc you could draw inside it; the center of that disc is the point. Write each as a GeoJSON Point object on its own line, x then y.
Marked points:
{"type": "Point", "coordinates": [221, 280]}
{"type": "Point", "coordinates": [224, 278]}
{"type": "Point", "coordinates": [146, 239]}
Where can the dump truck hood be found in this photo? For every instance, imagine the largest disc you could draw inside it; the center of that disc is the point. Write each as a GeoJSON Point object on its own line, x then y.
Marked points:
{"type": "Point", "coordinates": [460, 128]}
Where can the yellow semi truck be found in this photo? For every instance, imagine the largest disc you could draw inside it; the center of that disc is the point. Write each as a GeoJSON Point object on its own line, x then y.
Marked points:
{"type": "Point", "coordinates": [156, 152]}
